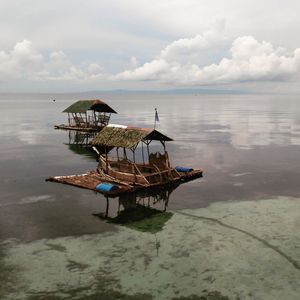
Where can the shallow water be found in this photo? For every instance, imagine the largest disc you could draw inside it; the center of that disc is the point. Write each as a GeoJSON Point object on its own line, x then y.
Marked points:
{"type": "Point", "coordinates": [248, 146]}
{"type": "Point", "coordinates": [228, 249]}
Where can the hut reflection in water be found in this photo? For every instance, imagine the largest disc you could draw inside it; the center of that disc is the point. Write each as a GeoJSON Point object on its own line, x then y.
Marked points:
{"type": "Point", "coordinates": [144, 210]}
{"type": "Point", "coordinates": [79, 142]}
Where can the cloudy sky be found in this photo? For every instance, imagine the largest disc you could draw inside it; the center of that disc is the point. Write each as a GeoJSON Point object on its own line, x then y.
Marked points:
{"type": "Point", "coordinates": [77, 45]}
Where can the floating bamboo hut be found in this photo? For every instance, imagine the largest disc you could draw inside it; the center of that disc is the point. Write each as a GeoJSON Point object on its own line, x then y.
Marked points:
{"type": "Point", "coordinates": [155, 167]}
{"type": "Point", "coordinates": [87, 115]}
{"type": "Point", "coordinates": [124, 173]}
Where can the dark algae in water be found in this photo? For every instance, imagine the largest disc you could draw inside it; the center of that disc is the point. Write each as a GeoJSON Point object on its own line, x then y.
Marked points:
{"type": "Point", "coordinates": [214, 295]}
{"type": "Point", "coordinates": [153, 224]}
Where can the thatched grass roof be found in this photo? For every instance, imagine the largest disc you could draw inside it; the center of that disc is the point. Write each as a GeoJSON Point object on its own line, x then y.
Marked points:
{"type": "Point", "coordinates": [83, 106]}
{"type": "Point", "coordinates": [126, 137]}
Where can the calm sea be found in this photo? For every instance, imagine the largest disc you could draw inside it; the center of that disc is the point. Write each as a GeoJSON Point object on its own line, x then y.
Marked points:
{"type": "Point", "coordinates": [248, 146]}
{"type": "Point", "coordinates": [233, 234]}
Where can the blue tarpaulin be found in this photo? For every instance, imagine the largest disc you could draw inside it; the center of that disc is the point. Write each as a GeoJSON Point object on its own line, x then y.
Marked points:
{"type": "Point", "coordinates": [106, 187]}
{"type": "Point", "coordinates": [183, 169]}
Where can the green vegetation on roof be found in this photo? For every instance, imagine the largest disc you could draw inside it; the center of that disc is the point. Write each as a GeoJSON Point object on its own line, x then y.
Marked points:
{"type": "Point", "coordinates": [119, 137]}
{"type": "Point", "coordinates": [83, 106]}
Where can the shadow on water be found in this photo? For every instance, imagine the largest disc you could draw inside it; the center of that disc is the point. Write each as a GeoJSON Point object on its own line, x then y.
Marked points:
{"type": "Point", "coordinates": [80, 143]}
{"type": "Point", "coordinates": [143, 211]}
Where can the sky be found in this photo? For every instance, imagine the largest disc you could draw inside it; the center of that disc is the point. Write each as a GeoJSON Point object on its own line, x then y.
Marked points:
{"type": "Point", "coordinates": [70, 46]}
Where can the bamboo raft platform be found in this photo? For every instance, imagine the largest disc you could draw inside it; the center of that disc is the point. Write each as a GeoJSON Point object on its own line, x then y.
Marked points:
{"type": "Point", "coordinates": [77, 128]}
{"type": "Point", "coordinates": [91, 179]}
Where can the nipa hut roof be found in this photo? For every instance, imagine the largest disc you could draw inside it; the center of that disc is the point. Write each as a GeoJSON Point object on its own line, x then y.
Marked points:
{"type": "Point", "coordinates": [83, 106]}
{"type": "Point", "coordinates": [127, 137]}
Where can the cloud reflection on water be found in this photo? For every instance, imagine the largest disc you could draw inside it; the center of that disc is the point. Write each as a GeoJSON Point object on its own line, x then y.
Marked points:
{"type": "Point", "coordinates": [244, 121]}
{"type": "Point", "coordinates": [224, 134]}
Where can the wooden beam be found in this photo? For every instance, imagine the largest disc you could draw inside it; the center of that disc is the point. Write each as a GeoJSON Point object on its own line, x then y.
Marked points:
{"type": "Point", "coordinates": [143, 152]}
{"type": "Point", "coordinates": [106, 160]}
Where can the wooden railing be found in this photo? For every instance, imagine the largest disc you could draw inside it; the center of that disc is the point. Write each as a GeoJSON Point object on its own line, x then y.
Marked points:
{"type": "Point", "coordinates": [90, 121]}
{"type": "Point", "coordinates": [137, 173]}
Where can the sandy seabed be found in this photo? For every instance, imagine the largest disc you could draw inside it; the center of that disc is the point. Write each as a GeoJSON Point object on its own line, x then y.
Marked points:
{"type": "Point", "coordinates": [229, 250]}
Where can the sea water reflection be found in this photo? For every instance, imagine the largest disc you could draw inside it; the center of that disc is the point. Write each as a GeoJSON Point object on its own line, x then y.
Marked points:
{"type": "Point", "coordinates": [142, 210]}
{"type": "Point", "coordinates": [248, 146]}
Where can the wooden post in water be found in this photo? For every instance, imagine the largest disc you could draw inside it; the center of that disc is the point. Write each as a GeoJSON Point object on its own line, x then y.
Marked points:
{"type": "Point", "coordinates": [119, 204]}
{"type": "Point", "coordinates": [107, 207]}
{"type": "Point", "coordinates": [167, 200]}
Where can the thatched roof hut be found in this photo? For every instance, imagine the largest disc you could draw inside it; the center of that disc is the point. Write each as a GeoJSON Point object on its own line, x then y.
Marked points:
{"type": "Point", "coordinates": [87, 115]}
{"type": "Point", "coordinates": [128, 137]}
{"type": "Point", "coordinates": [82, 106]}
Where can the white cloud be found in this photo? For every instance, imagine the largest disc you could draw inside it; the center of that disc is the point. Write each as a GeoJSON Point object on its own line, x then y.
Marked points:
{"type": "Point", "coordinates": [249, 60]}
{"type": "Point", "coordinates": [183, 62]}
{"type": "Point", "coordinates": [94, 69]}
{"type": "Point", "coordinates": [21, 60]}
{"type": "Point", "coordinates": [253, 60]}
{"type": "Point", "coordinates": [149, 71]}
{"type": "Point", "coordinates": [186, 48]}
{"type": "Point", "coordinates": [25, 62]}
{"type": "Point", "coordinates": [109, 32]}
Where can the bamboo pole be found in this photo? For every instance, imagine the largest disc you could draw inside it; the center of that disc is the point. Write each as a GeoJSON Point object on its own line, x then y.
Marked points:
{"type": "Point", "coordinates": [118, 153]}
{"type": "Point", "coordinates": [106, 161]}
{"type": "Point", "coordinates": [107, 207]}
{"type": "Point", "coordinates": [143, 152]}
{"type": "Point", "coordinates": [95, 119]}
{"type": "Point", "coordinates": [147, 143]}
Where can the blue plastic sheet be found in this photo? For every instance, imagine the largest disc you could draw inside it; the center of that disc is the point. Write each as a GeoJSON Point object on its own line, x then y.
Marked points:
{"type": "Point", "coordinates": [106, 187]}
{"type": "Point", "coordinates": [183, 169]}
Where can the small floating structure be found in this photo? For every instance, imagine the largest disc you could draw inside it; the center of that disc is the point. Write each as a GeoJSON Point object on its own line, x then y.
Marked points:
{"type": "Point", "coordinates": [87, 115]}
{"type": "Point", "coordinates": [120, 174]}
